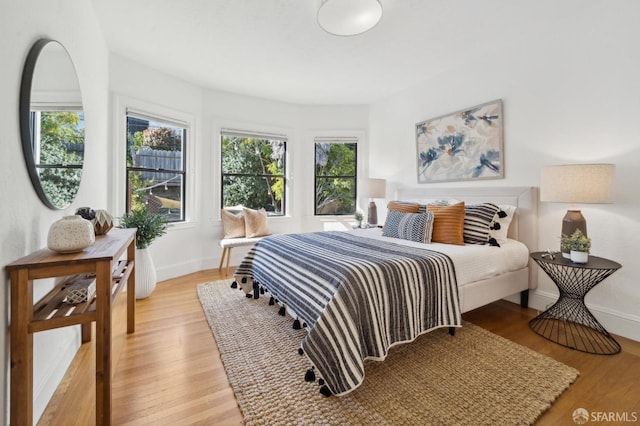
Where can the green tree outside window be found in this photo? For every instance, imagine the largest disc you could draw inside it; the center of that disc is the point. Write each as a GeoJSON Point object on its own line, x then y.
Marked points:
{"type": "Point", "coordinates": [253, 173]}
{"type": "Point", "coordinates": [335, 178]}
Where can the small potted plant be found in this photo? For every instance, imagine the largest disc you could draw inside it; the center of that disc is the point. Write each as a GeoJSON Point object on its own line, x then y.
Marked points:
{"type": "Point", "coordinates": [358, 215]}
{"type": "Point", "coordinates": [149, 227]}
{"type": "Point", "coordinates": [578, 245]}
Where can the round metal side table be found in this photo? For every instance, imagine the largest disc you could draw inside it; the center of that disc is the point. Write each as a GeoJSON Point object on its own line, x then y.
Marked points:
{"type": "Point", "coordinates": [568, 322]}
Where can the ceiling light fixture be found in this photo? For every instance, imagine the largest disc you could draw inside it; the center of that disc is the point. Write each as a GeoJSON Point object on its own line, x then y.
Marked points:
{"type": "Point", "coordinates": [349, 17]}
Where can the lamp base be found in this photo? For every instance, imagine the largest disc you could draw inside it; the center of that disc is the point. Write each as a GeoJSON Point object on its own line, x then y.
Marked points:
{"type": "Point", "coordinates": [571, 222]}
{"type": "Point", "coordinates": [372, 214]}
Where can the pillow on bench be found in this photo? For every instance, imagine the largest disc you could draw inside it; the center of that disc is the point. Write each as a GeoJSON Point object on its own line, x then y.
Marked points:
{"type": "Point", "coordinates": [255, 223]}
{"type": "Point", "coordinates": [248, 223]}
{"type": "Point", "coordinates": [242, 229]}
{"type": "Point", "coordinates": [232, 224]}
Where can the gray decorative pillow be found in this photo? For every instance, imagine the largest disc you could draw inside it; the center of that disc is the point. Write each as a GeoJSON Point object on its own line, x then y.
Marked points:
{"type": "Point", "coordinates": [409, 226]}
{"type": "Point", "coordinates": [477, 223]}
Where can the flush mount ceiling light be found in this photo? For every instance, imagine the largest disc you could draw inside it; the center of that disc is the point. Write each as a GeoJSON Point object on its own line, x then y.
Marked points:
{"type": "Point", "coordinates": [349, 17]}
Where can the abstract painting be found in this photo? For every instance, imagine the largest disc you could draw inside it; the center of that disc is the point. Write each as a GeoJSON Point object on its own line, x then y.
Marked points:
{"type": "Point", "coordinates": [464, 145]}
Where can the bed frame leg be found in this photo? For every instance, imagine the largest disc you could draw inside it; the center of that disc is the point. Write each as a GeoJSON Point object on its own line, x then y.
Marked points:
{"type": "Point", "coordinates": [524, 298]}
{"type": "Point", "coordinates": [452, 331]}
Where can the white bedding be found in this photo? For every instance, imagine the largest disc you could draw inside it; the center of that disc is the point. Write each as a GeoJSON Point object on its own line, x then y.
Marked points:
{"type": "Point", "coordinates": [472, 262]}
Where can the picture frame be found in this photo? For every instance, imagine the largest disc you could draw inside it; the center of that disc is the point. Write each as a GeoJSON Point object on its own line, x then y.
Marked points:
{"type": "Point", "coordinates": [461, 146]}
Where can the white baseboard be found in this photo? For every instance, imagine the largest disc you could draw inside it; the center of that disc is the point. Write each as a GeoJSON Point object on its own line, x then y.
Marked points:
{"type": "Point", "coordinates": [184, 268]}
{"type": "Point", "coordinates": [619, 323]}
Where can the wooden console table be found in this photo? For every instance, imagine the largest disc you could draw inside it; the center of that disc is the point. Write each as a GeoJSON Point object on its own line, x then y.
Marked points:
{"type": "Point", "coordinates": [102, 260]}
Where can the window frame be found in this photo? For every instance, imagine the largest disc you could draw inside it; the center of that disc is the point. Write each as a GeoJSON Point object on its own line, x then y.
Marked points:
{"type": "Point", "coordinates": [185, 150]}
{"type": "Point", "coordinates": [341, 140]}
{"type": "Point", "coordinates": [265, 137]}
{"type": "Point", "coordinates": [116, 191]}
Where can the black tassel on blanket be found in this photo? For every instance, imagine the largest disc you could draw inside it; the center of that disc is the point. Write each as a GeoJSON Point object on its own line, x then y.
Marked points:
{"type": "Point", "coordinates": [234, 284]}
{"type": "Point", "coordinates": [310, 375]}
{"type": "Point", "coordinates": [282, 311]}
{"type": "Point", "coordinates": [296, 324]}
{"type": "Point", "coordinates": [324, 390]}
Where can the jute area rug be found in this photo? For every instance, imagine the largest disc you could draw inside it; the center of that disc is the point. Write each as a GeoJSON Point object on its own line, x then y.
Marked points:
{"type": "Point", "coordinates": [472, 378]}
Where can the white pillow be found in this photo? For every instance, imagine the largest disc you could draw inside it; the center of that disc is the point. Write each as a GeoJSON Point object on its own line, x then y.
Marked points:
{"type": "Point", "coordinates": [501, 221]}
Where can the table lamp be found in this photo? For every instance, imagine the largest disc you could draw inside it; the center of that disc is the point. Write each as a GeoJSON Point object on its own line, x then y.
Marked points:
{"type": "Point", "coordinates": [374, 188]}
{"type": "Point", "coordinates": [576, 184]}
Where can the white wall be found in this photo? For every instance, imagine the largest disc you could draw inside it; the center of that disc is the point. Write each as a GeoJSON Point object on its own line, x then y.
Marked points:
{"type": "Point", "coordinates": [25, 220]}
{"type": "Point", "coordinates": [570, 95]}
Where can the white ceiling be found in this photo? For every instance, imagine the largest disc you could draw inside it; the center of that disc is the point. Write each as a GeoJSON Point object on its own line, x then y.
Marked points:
{"type": "Point", "coordinates": [274, 49]}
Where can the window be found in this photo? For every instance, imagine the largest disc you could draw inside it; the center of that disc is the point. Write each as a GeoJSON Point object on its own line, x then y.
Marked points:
{"type": "Point", "coordinates": [335, 176]}
{"type": "Point", "coordinates": [156, 165]}
{"type": "Point", "coordinates": [253, 171]}
{"type": "Point", "coordinates": [57, 140]}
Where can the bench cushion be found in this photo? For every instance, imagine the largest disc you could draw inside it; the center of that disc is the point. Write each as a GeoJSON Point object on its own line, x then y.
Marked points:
{"type": "Point", "coordinates": [238, 242]}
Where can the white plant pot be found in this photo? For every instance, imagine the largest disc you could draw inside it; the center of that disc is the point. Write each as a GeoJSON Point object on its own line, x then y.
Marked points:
{"type": "Point", "coordinates": [146, 277]}
{"type": "Point", "coordinates": [579, 256]}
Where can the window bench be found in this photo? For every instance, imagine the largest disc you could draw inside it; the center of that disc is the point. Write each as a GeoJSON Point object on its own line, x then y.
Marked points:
{"type": "Point", "coordinates": [228, 243]}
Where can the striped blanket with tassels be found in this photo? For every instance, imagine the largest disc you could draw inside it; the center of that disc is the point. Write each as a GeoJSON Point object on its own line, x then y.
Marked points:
{"type": "Point", "coordinates": [358, 296]}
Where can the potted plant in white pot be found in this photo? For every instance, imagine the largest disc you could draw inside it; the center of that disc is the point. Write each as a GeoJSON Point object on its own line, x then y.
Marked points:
{"type": "Point", "coordinates": [149, 227]}
{"type": "Point", "coordinates": [579, 246]}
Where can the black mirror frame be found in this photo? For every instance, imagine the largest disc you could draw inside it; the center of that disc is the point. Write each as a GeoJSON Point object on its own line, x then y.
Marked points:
{"type": "Point", "coordinates": [25, 120]}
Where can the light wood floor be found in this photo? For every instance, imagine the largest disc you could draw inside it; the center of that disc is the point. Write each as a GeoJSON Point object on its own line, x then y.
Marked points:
{"type": "Point", "coordinates": [169, 372]}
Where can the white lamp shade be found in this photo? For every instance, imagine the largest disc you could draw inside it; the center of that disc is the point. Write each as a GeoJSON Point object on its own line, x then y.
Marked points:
{"type": "Point", "coordinates": [349, 17]}
{"type": "Point", "coordinates": [577, 183]}
{"type": "Point", "coordinates": [374, 188]}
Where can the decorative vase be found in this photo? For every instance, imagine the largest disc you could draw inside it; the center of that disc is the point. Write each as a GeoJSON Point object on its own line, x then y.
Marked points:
{"type": "Point", "coordinates": [102, 222]}
{"type": "Point", "coordinates": [70, 234]}
{"type": "Point", "coordinates": [579, 256]}
{"type": "Point", "coordinates": [146, 276]}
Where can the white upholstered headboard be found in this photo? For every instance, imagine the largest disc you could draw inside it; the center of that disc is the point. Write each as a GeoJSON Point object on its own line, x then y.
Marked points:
{"type": "Point", "coordinates": [524, 226]}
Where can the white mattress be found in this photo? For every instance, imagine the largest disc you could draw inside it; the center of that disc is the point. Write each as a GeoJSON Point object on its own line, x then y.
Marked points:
{"type": "Point", "coordinates": [472, 262]}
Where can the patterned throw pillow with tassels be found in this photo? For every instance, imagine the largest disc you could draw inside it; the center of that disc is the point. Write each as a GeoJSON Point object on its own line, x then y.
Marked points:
{"type": "Point", "coordinates": [499, 227]}
{"type": "Point", "coordinates": [478, 219]}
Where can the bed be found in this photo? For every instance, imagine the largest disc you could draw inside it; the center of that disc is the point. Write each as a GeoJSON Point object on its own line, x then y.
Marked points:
{"type": "Point", "coordinates": [360, 293]}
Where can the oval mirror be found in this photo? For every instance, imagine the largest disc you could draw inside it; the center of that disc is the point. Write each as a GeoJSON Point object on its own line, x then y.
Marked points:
{"type": "Point", "coordinates": [52, 123]}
